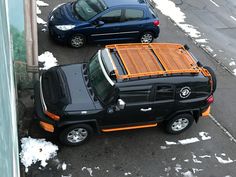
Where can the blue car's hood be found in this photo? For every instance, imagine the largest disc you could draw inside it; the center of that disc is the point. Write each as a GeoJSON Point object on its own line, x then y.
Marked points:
{"type": "Point", "coordinates": [64, 15]}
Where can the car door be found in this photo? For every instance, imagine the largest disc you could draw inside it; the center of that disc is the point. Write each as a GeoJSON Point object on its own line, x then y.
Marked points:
{"type": "Point", "coordinates": [137, 110]}
{"type": "Point", "coordinates": [133, 22]}
{"type": "Point", "coordinates": [163, 102]}
{"type": "Point", "coordinates": [107, 26]}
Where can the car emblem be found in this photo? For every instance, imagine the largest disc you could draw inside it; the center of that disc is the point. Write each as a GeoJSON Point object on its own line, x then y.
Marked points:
{"type": "Point", "coordinates": [185, 92]}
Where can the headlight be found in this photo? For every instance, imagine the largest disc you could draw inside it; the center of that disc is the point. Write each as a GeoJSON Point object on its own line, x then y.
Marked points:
{"type": "Point", "coordinates": [65, 27]}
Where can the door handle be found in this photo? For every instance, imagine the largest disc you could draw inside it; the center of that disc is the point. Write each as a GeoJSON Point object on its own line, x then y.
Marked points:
{"type": "Point", "coordinates": [145, 110]}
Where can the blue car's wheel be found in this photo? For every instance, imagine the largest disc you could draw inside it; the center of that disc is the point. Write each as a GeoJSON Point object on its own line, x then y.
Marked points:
{"type": "Point", "coordinates": [77, 41]}
{"type": "Point", "coordinates": [146, 37]}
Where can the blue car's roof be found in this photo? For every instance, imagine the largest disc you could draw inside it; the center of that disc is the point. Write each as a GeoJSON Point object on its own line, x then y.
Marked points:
{"type": "Point", "coordinates": [111, 3]}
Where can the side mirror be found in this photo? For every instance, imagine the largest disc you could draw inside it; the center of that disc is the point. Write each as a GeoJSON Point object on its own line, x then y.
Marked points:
{"type": "Point", "coordinates": [100, 23]}
{"type": "Point", "coordinates": [120, 104]}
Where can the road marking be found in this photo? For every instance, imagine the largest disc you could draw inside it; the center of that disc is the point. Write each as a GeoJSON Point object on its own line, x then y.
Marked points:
{"type": "Point", "coordinates": [233, 18]}
{"type": "Point", "coordinates": [232, 138]}
{"type": "Point", "coordinates": [214, 3]}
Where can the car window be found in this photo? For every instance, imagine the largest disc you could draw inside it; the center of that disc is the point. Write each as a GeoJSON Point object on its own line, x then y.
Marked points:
{"type": "Point", "coordinates": [135, 95]}
{"type": "Point", "coordinates": [164, 92]}
{"type": "Point", "coordinates": [133, 14]}
{"type": "Point", "coordinates": [111, 17]}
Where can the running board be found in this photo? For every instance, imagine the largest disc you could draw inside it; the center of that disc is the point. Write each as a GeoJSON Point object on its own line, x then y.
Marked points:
{"type": "Point", "coordinates": [129, 128]}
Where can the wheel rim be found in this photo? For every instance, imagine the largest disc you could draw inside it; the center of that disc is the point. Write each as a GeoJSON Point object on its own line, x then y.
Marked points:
{"type": "Point", "coordinates": [77, 41]}
{"type": "Point", "coordinates": [180, 124]}
{"type": "Point", "coordinates": [146, 38]}
{"type": "Point", "coordinates": [77, 135]}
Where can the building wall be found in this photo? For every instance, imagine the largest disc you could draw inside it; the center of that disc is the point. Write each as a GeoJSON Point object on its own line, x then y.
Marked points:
{"type": "Point", "coordinates": [9, 155]}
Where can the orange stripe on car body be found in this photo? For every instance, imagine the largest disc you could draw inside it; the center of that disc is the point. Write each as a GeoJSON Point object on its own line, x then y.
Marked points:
{"type": "Point", "coordinates": [129, 128]}
{"type": "Point", "coordinates": [47, 127]}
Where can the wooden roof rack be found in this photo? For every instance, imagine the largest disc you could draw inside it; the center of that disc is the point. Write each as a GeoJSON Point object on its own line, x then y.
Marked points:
{"type": "Point", "coordinates": [155, 59]}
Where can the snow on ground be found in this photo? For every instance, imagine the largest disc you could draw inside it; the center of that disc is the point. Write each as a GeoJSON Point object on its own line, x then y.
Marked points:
{"type": "Point", "coordinates": [41, 3]}
{"type": "Point", "coordinates": [36, 150]}
{"type": "Point", "coordinates": [48, 59]}
{"type": "Point", "coordinates": [169, 9]}
{"type": "Point", "coordinates": [224, 161]}
{"type": "Point", "coordinates": [40, 21]}
{"type": "Point", "coordinates": [189, 141]}
{"type": "Point", "coordinates": [204, 135]}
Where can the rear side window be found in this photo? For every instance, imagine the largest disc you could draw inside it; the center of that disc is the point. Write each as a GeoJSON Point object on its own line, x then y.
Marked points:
{"type": "Point", "coordinates": [133, 14]}
{"type": "Point", "coordinates": [111, 17]}
{"type": "Point", "coordinates": [164, 92]}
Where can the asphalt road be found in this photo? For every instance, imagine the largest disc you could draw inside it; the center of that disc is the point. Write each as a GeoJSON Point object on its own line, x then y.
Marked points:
{"type": "Point", "coordinates": [216, 20]}
{"type": "Point", "coordinates": [146, 152]}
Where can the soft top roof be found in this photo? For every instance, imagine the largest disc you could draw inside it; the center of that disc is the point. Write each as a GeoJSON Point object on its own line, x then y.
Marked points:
{"type": "Point", "coordinates": [154, 59]}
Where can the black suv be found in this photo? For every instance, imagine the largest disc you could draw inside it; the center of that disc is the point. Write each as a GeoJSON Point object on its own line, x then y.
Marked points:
{"type": "Point", "coordinates": [122, 87]}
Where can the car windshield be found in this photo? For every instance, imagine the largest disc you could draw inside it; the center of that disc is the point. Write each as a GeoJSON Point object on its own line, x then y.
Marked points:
{"type": "Point", "coordinates": [101, 86]}
{"type": "Point", "coordinates": [87, 9]}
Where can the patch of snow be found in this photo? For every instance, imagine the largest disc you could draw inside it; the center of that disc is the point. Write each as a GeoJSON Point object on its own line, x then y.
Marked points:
{"type": "Point", "coordinates": [169, 9]}
{"type": "Point", "coordinates": [41, 3]}
{"type": "Point", "coordinates": [187, 174]}
{"type": "Point", "coordinates": [204, 135]}
{"type": "Point", "coordinates": [128, 173]}
{"type": "Point", "coordinates": [228, 176]}
{"type": "Point", "coordinates": [107, 171]}
{"type": "Point", "coordinates": [64, 166]}
{"type": "Point", "coordinates": [186, 160]}
{"type": "Point", "coordinates": [34, 150]}
{"type": "Point", "coordinates": [205, 156]}
{"type": "Point", "coordinates": [234, 72]}
{"type": "Point", "coordinates": [189, 141]}
{"type": "Point", "coordinates": [173, 159]}
{"type": "Point", "coordinates": [214, 55]}
{"type": "Point", "coordinates": [48, 59]}
{"type": "Point", "coordinates": [38, 11]}
{"type": "Point", "coordinates": [209, 49]}
{"type": "Point", "coordinates": [201, 40]}
{"type": "Point", "coordinates": [195, 160]}
{"type": "Point", "coordinates": [167, 169]}
{"type": "Point", "coordinates": [223, 154]}
{"type": "Point", "coordinates": [221, 51]}
{"type": "Point", "coordinates": [70, 175]}
{"type": "Point", "coordinates": [89, 170]}
{"type": "Point", "coordinates": [178, 168]}
{"type": "Point", "coordinates": [196, 170]}
{"type": "Point", "coordinates": [40, 21]}
{"type": "Point", "coordinates": [164, 147]}
{"type": "Point", "coordinates": [222, 161]}
{"type": "Point", "coordinates": [213, 2]}
{"type": "Point", "coordinates": [44, 30]}
{"type": "Point", "coordinates": [97, 168]}
{"type": "Point", "coordinates": [232, 63]}
{"type": "Point", "coordinates": [170, 143]}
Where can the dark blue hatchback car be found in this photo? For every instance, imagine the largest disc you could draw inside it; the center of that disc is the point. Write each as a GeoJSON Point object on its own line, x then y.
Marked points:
{"type": "Point", "coordinates": [81, 21]}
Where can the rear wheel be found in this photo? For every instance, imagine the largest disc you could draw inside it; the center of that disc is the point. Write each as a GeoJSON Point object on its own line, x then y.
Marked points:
{"type": "Point", "coordinates": [147, 37]}
{"type": "Point", "coordinates": [77, 41]}
{"type": "Point", "coordinates": [179, 123]}
{"type": "Point", "coordinates": [76, 134]}
{"type": "Point", "coordinates": [213, 76]}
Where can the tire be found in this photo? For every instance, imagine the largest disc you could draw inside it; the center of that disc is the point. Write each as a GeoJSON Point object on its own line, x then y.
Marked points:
{"type": "Point", "coordinates": [147, 37]}
{"type": "Point", "coordinates": [76, 134]}
{"type": "Point", "coordinates": [179, 124]}
{"type": "Point", "coordinates": [77, 41]}
{"type": "Point", "coordinates": [213, 76]}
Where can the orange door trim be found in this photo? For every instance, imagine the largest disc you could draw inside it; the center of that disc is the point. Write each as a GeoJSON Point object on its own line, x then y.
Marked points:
{"type": "Point", "coordinates": [129, 128]}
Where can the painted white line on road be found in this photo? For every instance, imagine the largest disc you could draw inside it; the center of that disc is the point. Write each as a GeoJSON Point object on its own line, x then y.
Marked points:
{"type": "Point", "coordinates": [233, 18]}
{"type": "Point", "coordinates": [232, 138]}
{"type": "Point", "coordinates": [214, 3]}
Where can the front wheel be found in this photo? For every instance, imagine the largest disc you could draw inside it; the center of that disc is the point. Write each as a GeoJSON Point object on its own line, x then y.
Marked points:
{"type": "Point", "coordinates": [179, 123]}
{"type": "Point", "coordinates": [146, 37]}
{"type": "Point", "coordinates": [77, 41]}
{"type": "Point", "coordinates": [76, 134]}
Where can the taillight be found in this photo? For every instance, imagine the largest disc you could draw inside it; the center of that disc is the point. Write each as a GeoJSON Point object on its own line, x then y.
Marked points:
{"type": "Point", "coordinates": [210, 99]}
{"type": "Point", "coordinates": [53, 116]}
{"type": "Point", "coordinates": [156, 22]}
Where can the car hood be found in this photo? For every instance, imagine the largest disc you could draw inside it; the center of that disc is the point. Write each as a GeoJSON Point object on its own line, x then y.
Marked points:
{"type": "Point", "coordinates": [63, 15]}
{"type": "Point", "coordinates": [81, 98]}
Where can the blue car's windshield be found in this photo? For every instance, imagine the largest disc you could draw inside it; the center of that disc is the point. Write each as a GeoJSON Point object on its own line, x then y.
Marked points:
{"type": "Point", "coordinates": [87, 9]}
